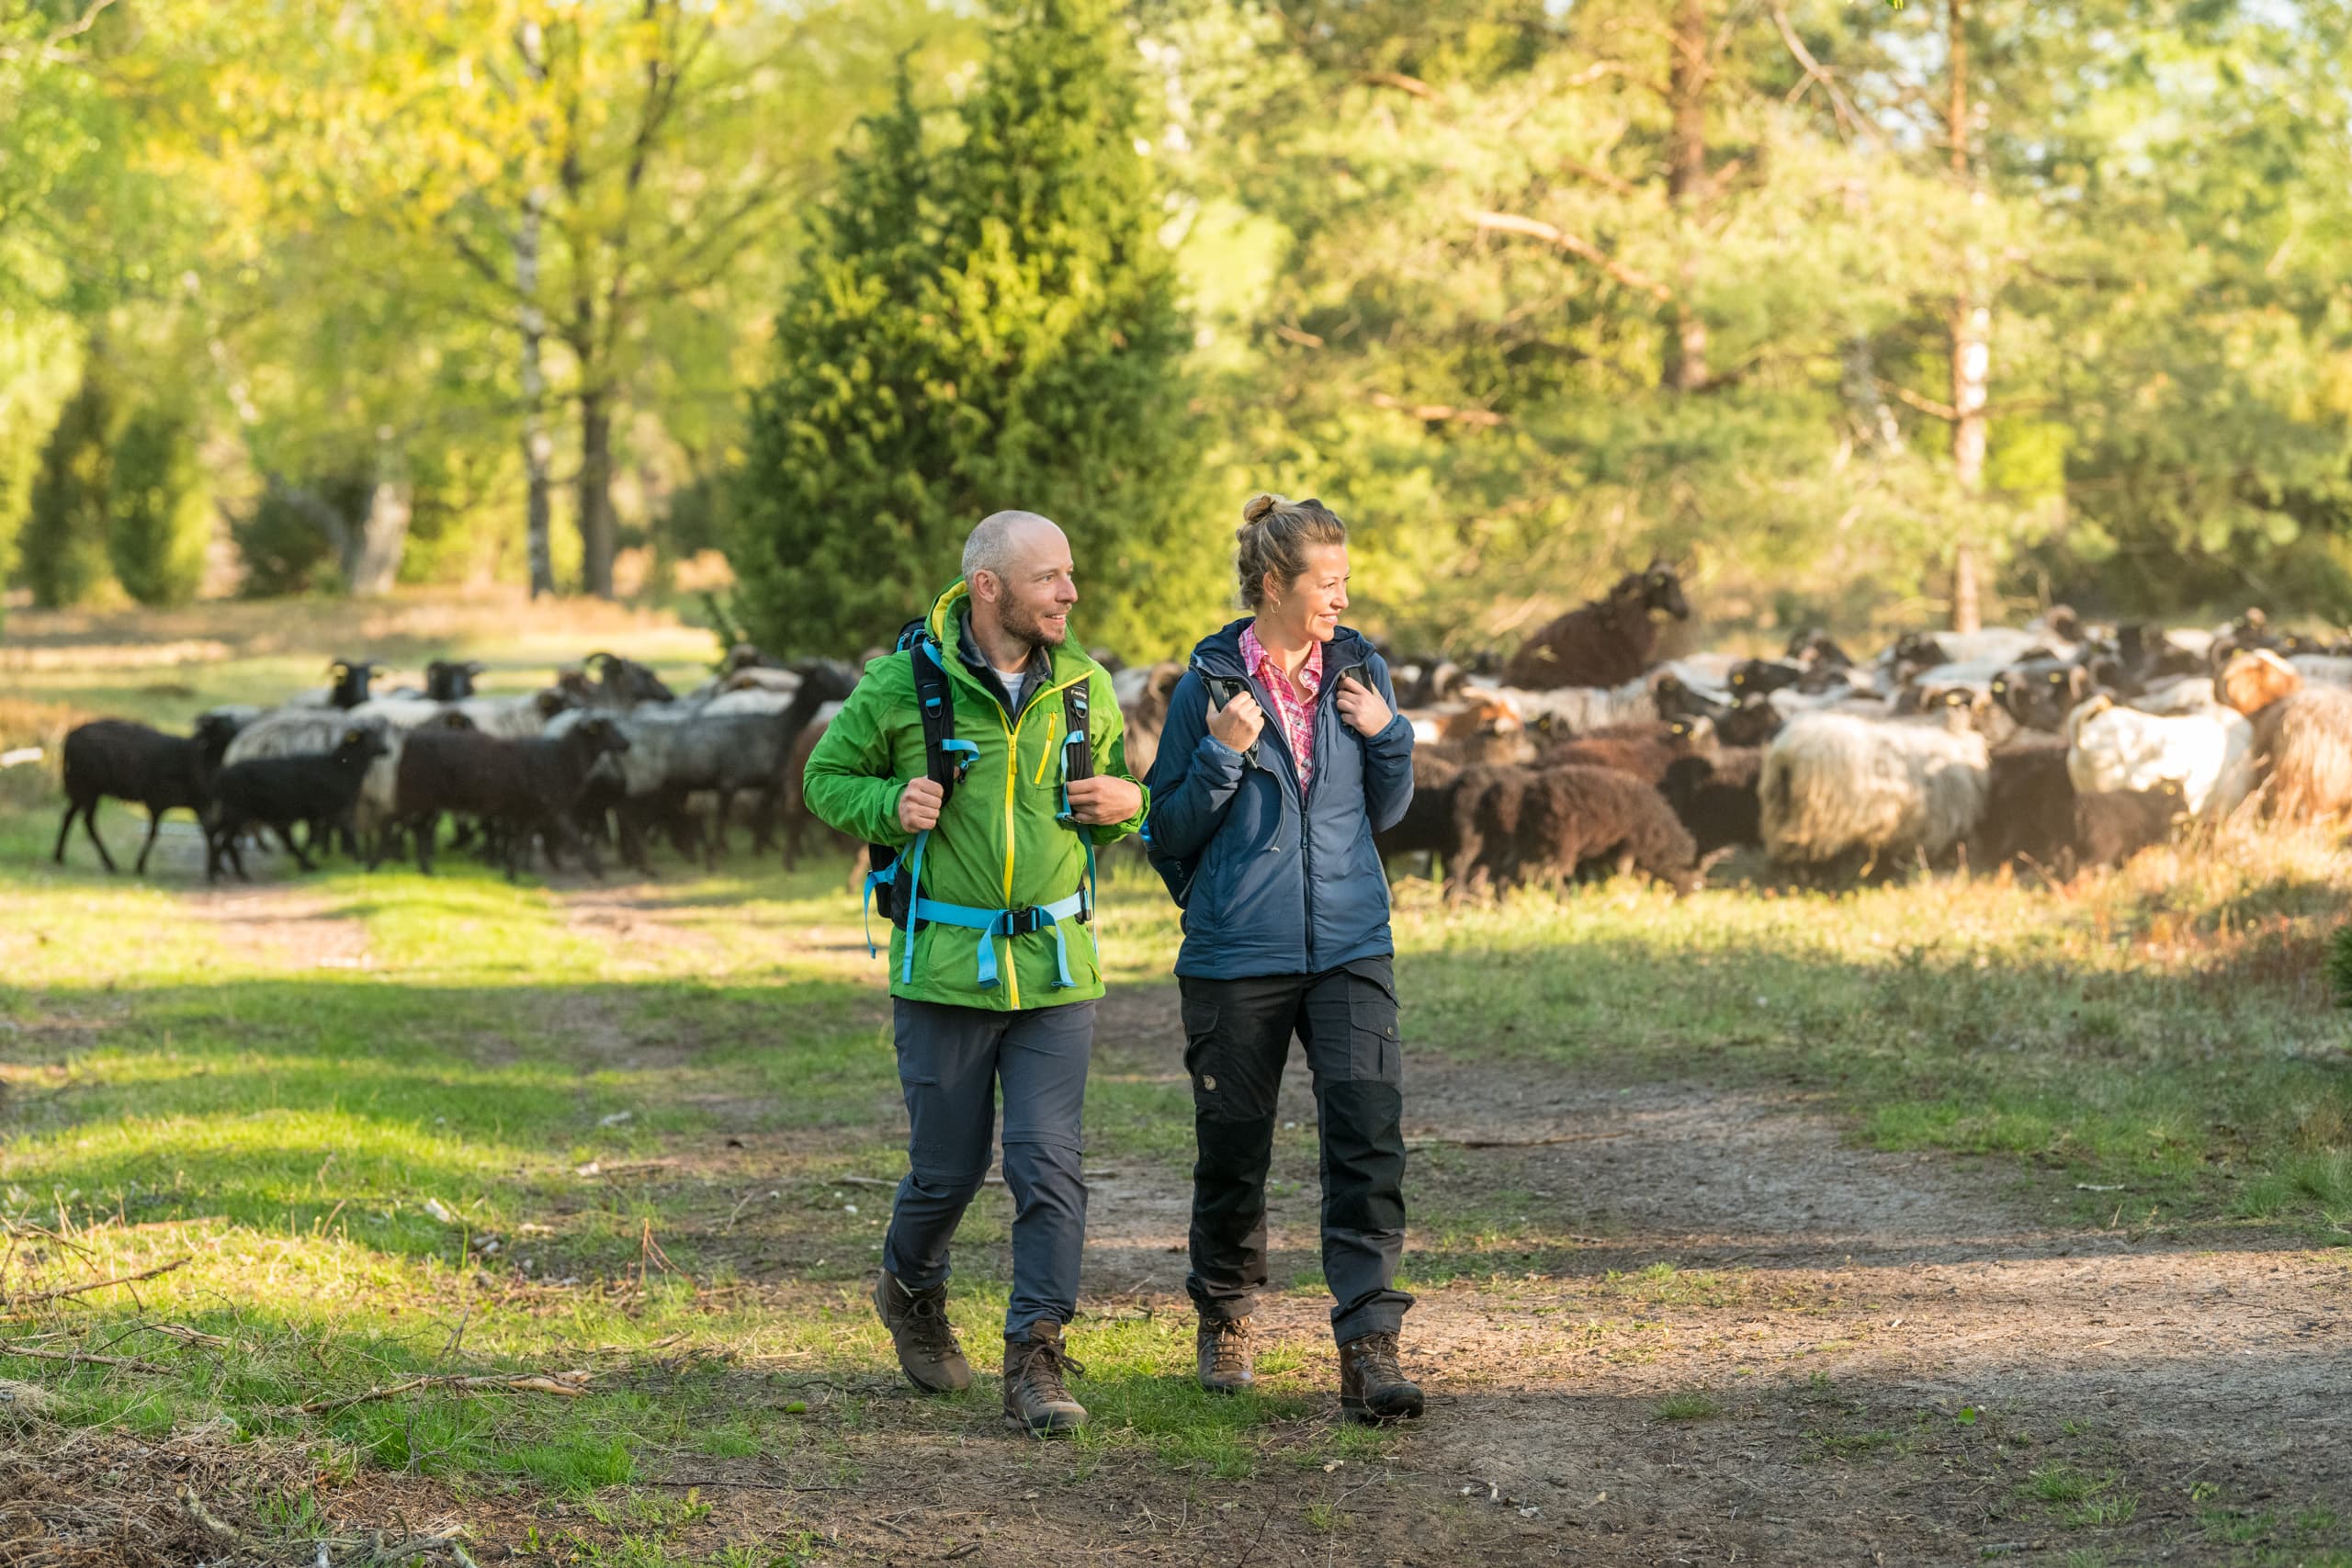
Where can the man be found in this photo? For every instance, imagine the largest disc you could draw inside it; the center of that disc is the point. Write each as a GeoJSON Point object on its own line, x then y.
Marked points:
{"type": "Point", "coordinates": [993, 969]}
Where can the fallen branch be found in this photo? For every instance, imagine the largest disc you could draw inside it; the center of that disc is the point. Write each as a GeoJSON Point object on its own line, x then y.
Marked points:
{"type": "Point", "coordinates": [13, 1303]}
{"type": "Point", "coordinates": [1515, 1143]}
{"type": "Point", "coordinates": [745, 1486]}
{"type": "Point", "coordinates": [128, 1363]}
{"type": "Point", "coordinates": [571, 1385]}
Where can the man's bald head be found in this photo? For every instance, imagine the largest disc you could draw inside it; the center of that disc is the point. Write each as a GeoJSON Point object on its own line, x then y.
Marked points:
{"type": "Point", "coordinates": [1029, 585]}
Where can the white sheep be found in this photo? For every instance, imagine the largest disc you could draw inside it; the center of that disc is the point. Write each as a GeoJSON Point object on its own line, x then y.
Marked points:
{"type": "Point", "coordinates": [2208, 753]}
{"type": "Point", "coordinates": [1840, 786]}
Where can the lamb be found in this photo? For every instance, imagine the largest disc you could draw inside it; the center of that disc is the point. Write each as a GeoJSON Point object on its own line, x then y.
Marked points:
{"type": "Point", "coordinates": [1513, 824]}
{"type": "Point", "coordinates": [2113, 826]}
{"type": "Point", "coordinates": [2209, 754]}
{"type": "Point", "coordinates": [1839, 789]}
{"type": "Point", "coordinates": [277, 791]}
{"type": "Point", "coordinates": [2302, 735]}
{"type": "Point", "coordinates": [131, 761]}
{"type": "Point", "coordinates": [524, 787]}
{"type": "Point", "coordinates": [1605, 642]}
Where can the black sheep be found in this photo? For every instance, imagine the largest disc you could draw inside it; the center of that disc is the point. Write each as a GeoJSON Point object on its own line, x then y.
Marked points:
{"type": "Point", "coordinates": [522, 788]}
{"type": "Point", "coordinates": [2111, 826]}
{"type": "Point", "coordinates": [1762, 676]}
{"type": "Point", "coordinates": [1428, 824]}
{"type": "Point", "coordinates": [1514, 824]}
{"type": "Point", "coordinates": [277, 791]}
{"type": "Point", "coordinates": [351, 678]}
{"type": "Point", "coordinates": [447, 681]}
{"type": "Point", "coordinates": [1605, 642]}
{"type": "Point", "coordinates": [2039, 693]}
{"type": "Point", "coordinates": [1714, 795]}
{"type": "Point", "coordinates": [2029, 807]}
{"type": "Point", "coordinates": [131, 761]}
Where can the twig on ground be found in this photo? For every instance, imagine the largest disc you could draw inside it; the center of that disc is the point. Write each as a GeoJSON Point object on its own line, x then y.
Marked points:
{"type": "Point", "coordinates": [745, 1486]}
{"type": "Point", "coordinates": [1516, 1143]}
{"type": "Point", "coordinates": [15, 1303]}
{"type": "Point", "coordinates": [127, 1363]}
{"type": "Point", "coordinates": [569, 1385]}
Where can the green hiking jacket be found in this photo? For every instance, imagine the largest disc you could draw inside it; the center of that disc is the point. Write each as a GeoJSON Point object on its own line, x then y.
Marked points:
{"type": "Point", "coordinates": [998, 845]}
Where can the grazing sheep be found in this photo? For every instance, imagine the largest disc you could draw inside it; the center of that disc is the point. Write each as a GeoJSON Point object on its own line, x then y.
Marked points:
{"type": "Point", "coordinates": [1513, 825]}
{"type": "Point", "coordinates": [2302, 735]}
{"type": "Point", "coordinates": [2039, 693]}
{"type": "Point", "coordinates": [526, 788]}
{"type": "Point", "coordinates": [1143, 693]}
{"type": "Point", "coordinates": [2029, 807]}
{"type": "Point", "coordinates": [448, 682]}
{"type": "Point", "coordinates": [623, 682]}
{"type": "Point", "coordinates": [1837, 789]}
{"type": "Point", "coordinates": [1428, 827]}
{"type": "Point", "coordinates": [2113, 826]}
{"type": "Point", "coordinates": [2209, 754]}
{"type": "Point", "coordinates": [1641, 751]}
{"type": "Point", "coordinates": [277, 791]}
{"type": "Point", "coordinates": [131, 761]}
{"type": "Point", "coordinates": [1604, 642]}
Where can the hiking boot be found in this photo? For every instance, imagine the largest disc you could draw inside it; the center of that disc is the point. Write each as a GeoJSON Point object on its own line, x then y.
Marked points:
{"type": "Point", "coordinates": [1372, 1387]}
{"type": "Point", "coordinates": [1223, 1348]}
{"type": "Point", "coordinates": [1036, 1400]}
{"type": "Point", "coordinates": [918, 1323]}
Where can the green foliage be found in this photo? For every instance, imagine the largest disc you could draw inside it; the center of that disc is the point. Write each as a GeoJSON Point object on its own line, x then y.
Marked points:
{"type": "Point", "coordinates": [284, 542]}
{"type": "Point", "coordinates": [981, 322]}
{"type": "Point", "coordinates": [64, 545]}
{"type": "Point", "coordinates": [159, 511]}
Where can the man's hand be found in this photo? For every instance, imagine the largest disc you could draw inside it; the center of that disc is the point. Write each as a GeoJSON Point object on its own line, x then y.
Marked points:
{"type": "Point", "coordinates": [1102, 800]}
{"type": "Point", "coordinates": [1236, 724]}
{"type": "Point", "coordinates": [919, 805]}
{"type": "Point", "coordinates": [1361, 707]}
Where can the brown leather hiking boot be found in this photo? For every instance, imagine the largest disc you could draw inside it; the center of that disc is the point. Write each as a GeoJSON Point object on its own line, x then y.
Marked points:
{"type": "Point", "coordinates": [1222, 1346]}
{"type": "Point", "coordinates": [1036, 1399]}
{"type": "Point", "coordinates": [1372, 1387]}
{"type": "Point", "coordinates": [917, 1320]}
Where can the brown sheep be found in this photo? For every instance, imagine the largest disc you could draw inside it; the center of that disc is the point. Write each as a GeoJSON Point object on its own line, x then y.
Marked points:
{"type": "Point", "coordinates": [1514, 824]}
{"type": "Point", "coordinates": [1605, 642]}
{"type": "Point", "coordinates": [2302, 735]}
{"type": "Point", "coordinates": [1644, 750]}
{"type": "Point", "coordinates": [1143, 703]}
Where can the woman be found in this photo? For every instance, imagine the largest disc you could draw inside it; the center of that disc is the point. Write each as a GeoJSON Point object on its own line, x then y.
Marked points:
{"type": "Point", "coordinates": [1282, 757]}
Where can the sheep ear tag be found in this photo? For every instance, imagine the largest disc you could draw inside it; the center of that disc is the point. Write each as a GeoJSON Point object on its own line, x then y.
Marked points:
{"type": "Point", "coordinates": [352, 737]}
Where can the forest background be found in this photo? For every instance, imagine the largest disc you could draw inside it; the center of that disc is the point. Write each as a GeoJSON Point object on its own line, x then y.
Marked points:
{"type": "Point", "coordinates": [1868, 315]}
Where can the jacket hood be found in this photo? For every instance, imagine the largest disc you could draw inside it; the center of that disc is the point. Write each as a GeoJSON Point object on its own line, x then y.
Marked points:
{"type": "Point", "coordinates": [1219, 653]}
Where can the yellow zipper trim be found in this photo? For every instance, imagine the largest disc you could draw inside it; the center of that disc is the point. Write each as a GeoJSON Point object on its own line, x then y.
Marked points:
{"type": "Point", "coordinates": [1012, 787]}
{"type": "Point", "coordinates": [1052, 725]}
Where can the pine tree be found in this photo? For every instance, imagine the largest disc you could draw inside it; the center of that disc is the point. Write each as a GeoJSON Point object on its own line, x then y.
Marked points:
{"type": "Point", "coordinates": [158, 514]}
{"type": "Point", "coordinates": [63, 549]}
{"type": "Point", "coordinates": [988, 324]}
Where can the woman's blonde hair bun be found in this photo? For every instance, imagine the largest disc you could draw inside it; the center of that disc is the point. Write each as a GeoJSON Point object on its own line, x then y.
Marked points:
{"type": "Point", "coordinates": [1273, 540]}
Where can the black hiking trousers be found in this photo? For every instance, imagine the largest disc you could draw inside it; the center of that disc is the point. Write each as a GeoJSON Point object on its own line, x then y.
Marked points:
{"type": "Point", "coordinates": [1236, 1038]}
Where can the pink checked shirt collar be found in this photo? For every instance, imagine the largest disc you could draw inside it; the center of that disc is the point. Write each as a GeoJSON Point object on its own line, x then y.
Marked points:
{"type": "Point", "coordinates": [1296, 708]}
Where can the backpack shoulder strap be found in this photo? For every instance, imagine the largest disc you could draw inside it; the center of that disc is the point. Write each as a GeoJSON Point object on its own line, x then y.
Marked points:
{"type": "Point", "coordinates": [1078, 735]}
{"type": "Point", "coordinates": [944, 759]}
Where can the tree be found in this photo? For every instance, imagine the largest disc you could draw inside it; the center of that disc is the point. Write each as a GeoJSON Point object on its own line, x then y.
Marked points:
{"type": "Point", "coordinates": [159, 510]}
{"type": "Point", "coordinates": [979, 323]}
{"type": "Point", "coordinates": [63, 545]}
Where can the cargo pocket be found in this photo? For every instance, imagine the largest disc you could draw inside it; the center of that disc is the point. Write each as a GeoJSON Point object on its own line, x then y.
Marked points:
{"type": "Point", "coordinates": [1374, 1052]}
{"type": "Point", "coordinates": [1202, 1058]}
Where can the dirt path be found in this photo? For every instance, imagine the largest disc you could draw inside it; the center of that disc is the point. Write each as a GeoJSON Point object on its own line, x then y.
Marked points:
{"type": "Point", "coordinates": [1854, 1357]}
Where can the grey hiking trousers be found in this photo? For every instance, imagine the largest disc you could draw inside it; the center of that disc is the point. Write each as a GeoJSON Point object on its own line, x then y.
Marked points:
{"type": "Point", "coordinates": [950, 1060]}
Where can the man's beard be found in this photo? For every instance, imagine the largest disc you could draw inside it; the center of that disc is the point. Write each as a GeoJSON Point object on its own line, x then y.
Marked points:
{"type": "Point", "coordinates": [1030, 626]}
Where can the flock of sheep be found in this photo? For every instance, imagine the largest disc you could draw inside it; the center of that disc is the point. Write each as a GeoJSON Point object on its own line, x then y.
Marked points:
{"type": "Point", "coordinates": [2055, 746]}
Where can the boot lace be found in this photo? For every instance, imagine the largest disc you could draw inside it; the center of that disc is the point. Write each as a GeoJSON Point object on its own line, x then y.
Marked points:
{"type": "Point", "coordinates": [927, 1323]}
{"type": "Point", "coordinates": [1040, 1365]}
{"type": "Point", "coordinates": [1229, 1344]}
{"type": "Point", "coordinates": [1375, 1357]}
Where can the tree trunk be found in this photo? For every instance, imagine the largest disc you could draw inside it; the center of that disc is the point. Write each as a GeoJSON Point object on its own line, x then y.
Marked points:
{"type": "Point", "coordinates": [1969, 328]}
{"type": "Point", "coordinates": [1688, 72]}
{"type": "Point", "coordinates": [1874, 413]}
{"type": "Point", "coordinates": [383, 533]}
{"type": "Point", "coordinates": [596, 540]}
{"type": "Point", "coordinates": [538, 447]}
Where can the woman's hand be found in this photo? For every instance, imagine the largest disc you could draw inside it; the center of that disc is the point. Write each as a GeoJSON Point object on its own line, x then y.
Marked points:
{"type": "Point", "coordinates": [1361, 707]}
{"type": "Point", "coordinates": [1236, 724]}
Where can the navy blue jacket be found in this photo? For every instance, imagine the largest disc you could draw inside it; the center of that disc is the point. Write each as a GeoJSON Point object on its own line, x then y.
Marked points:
{"type": "Point", "coordinates": [1268, 885]}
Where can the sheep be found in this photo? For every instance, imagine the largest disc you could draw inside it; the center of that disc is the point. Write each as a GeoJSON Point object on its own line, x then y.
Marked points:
{"type": "Point", "coordinates": [347, 686]}
{"type": "Point", "coordinates": [522, 786]}
{"type": "Point", "coordinates": [1427, 826]}
{"type": "Point", "coordinates": [623, 682]}
{"type": "Point", "coordinates": [1752, 724]}
{"type": "Point", "coordinates": [2029, 807]}
{"type": "Point", "coordinates": [1713, 795]}
{"type": "Point", "coordinates": [1420, 681]}
{"type": "Point", "coordinates": [1762, 677]}
{"type": "Point", "coordinates": [1511, 824]}
{"type": "Point", "coordinates": [2038, 693]}
{"type": "Point", "coordinates": [1143, 694]}
{"type": "Point", "coordinates": [1999, 645]}
{"type": "Point", "coordinates": [277, 791]}
{"type": "Point", "coordinates": [1479, 723]}
{"type": "Point", "coordinates": [1604, 642]}
{"type": "Point", "coordinates": [2149, 654]}
{"type": "Point", "coordinates": [448, 682]}
{"type": "Point", "coordinates": [1641, 751]}
{"type": "Point", "coordinates": [521, 718]}
{"type": "Point", "coordinates": [1816, 650]}
{"type": "Point", "coordinates": [794, 805]}
{"type": "Point", "coordinates": [2209, 754]}
{"type": "Point", "coordinates": [1574, 710]}
{"type": "Point", "coordinates": [2175, 695]}
{"type": "Point", "coordinates": [2302, 735]}
{"type": "Point", "coordinates": [1838, 788]}
{"type": "Point", "coordinates": [2112, 826]}
{"type": "Point", "coordinates": [131, 761]}
{"type": "Point", "coordinates": [2322, 669]}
